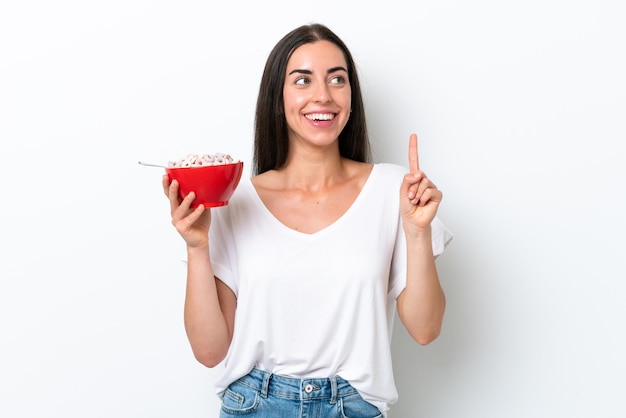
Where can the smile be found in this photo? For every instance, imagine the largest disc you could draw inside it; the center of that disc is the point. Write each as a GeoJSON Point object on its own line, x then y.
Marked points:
{"type": "Point", "coordinates": [320, 116]}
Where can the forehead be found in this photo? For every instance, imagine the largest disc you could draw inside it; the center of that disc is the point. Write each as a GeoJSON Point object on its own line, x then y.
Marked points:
{"type": "Point", "coordinates": [319, 54]}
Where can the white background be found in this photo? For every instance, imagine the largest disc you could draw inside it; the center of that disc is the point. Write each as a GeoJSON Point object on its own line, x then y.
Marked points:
{"type": "Point", "coordinates": [520, 108]}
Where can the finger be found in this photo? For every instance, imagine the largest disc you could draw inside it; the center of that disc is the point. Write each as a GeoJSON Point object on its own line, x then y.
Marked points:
{"type": "Point", "coordinates": [181, 208]}
{"type": "Point", "coordinates": [172, 194]}
{"type": "Point", "coordinates": [414, 180]}
{"type": "Point", "coordinates": [424, 185]}
{"type": "Point", "coordinates": [421, 189]}
{"type": "Point", "coordinates": [196, 213]}
{"type": "Point", "coordinates": [413, 156]}
{"type": "Point", "coordinates": [427, 191]}
{"type": "Point", "coordinates": [191, 216]}
{"type": "Point", "coordinates": [165, 181]}
{"type": "Point", "coordinates": [409, 185]}
{"type": "Point", "coordinates": [430, 195]}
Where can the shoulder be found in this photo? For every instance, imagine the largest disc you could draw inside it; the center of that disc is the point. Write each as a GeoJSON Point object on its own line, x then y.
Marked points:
{"type": "Point", "coordinates": [358, 172]}
{"type": "Point", "coordinates": [242, 199]}
{"type": "Point", "coordinates": [268, 181]}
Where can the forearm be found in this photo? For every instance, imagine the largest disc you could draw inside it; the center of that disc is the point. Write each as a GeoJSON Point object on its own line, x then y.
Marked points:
{"type": "Point", "coordinates": [205, 322]}
{"type": "Point", "coordinates": [421, 305]}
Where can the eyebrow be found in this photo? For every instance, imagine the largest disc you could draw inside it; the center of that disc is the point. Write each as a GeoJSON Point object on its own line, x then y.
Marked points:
{"type": "Point", "coordinates": [330, 70]}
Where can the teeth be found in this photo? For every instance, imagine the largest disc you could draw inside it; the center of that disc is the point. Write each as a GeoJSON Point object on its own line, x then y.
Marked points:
{"type": "Point", "coordinates": [320, 116]}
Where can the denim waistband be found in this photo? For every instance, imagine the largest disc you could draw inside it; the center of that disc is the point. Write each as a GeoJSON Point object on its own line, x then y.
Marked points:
{"type": "Point", "coordinates": [267, 383]}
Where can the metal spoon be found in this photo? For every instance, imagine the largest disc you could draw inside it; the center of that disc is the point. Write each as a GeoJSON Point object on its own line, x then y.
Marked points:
{"type": "Point", "coordinates": [152, 165]}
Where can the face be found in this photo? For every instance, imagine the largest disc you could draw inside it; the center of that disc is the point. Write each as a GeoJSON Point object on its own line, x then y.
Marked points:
{"type": "Point", "coordinates": [317, 94]}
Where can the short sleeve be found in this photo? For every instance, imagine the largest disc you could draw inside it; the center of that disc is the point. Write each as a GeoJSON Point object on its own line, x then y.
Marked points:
{"type": "Point", "coordinates": [222, 247]}
{"type": "Point", "coordinates": [441, 236]}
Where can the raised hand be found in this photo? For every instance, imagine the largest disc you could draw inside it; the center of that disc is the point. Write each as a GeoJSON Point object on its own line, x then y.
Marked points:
{"type": "Point", "coordinates": [419, 197]}
{"type": "Point", "coordinates": [191, 224]}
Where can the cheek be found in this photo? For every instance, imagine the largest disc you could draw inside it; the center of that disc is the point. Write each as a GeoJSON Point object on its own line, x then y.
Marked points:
{"type": "Point", "coordinates": [293, 102]}
{"type": "Point", "coordinates": [346, 98]}
{"type": "Point", "coordinates": [292, 109]}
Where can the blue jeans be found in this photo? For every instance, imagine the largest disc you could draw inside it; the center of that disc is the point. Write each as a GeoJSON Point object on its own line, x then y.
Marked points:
{"type": "Point", "coordinates": [261, 394]}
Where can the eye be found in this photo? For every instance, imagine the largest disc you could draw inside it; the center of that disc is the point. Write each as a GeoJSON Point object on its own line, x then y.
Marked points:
{"type": "Point", "coordinates": [338, 79]}
{"type": "Point", "coordinates": [302, 81]}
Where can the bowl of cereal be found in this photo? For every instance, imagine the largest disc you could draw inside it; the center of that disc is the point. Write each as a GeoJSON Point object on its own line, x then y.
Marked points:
{"type": "Point", "coordinates": [212, 177]}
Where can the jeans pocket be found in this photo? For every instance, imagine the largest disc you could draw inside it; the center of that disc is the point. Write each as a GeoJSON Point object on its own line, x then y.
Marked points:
{"type": "Point", "coordinates": [239, 399]}
{"type": "Point", "coordinates": [354, 406]}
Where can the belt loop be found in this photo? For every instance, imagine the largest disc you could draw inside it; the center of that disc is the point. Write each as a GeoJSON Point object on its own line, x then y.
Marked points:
{"type": "Point", "coordinates": [333, 390]}
{"type": "Point", "coordinates": [266, 384]}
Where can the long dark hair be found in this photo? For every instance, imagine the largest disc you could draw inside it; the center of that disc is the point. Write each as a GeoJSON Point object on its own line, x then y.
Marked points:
{"type": "Point", "coordinates": [271, 142]}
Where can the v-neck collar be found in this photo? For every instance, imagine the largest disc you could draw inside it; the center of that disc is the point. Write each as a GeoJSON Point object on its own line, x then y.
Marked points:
{"type": "Point", "coordinates": [353, 206]}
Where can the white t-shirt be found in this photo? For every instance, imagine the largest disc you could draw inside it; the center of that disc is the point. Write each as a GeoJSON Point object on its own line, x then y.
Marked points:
{"type": "Point", "coordinates": [322, 304]}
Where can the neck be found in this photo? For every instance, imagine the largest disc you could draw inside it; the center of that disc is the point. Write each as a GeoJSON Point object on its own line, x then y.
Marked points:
{"type": "Point", "coordinates": [313, 171]}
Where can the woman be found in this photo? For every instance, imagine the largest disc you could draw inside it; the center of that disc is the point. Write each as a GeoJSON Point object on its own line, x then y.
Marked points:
{"type": "Point", "coordinates": [294, 284]}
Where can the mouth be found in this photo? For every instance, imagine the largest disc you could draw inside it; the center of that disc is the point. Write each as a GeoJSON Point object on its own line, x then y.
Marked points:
{"type": "Point", "coordinates": [320, 116]}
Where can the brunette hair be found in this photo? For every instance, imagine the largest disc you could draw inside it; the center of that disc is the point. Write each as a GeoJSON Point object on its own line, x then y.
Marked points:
{"type": "Point", "coordinates": [271, 142]}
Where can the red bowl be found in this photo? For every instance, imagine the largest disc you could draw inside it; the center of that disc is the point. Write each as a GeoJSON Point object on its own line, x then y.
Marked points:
{"type": "Point", "coordinates": [213, 184]}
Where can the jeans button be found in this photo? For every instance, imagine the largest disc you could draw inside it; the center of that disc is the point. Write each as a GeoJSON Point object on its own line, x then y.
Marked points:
{"type": "Point", "coordinates": [308, 388]}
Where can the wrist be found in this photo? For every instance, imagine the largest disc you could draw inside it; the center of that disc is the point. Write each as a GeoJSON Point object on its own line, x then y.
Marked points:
{"type": "Point", "coordinates": [418, 233]}
{"type": "Point", "coordinates": [198, 249]}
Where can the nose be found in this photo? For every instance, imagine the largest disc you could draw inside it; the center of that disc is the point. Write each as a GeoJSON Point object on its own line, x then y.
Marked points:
{"type": "Point", "coordinates": [322, 94]}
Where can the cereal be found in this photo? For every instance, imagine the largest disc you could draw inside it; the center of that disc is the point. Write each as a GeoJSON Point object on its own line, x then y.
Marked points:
{"type": "Point", "coordinates": [200, 160]}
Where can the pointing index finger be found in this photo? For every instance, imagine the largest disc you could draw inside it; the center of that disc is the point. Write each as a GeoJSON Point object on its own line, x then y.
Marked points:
{"type": "Point", "coordinates": [414, 164]}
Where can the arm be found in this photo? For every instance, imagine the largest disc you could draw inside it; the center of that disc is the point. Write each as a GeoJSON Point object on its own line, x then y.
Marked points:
{"type": "Point", "coordinates": [209, 309]}
{"type": "Point", "coordinates": [421, 304]}
{"type": "Point", "coordinates": [209, 304]}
